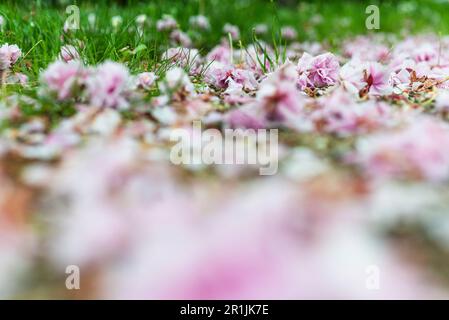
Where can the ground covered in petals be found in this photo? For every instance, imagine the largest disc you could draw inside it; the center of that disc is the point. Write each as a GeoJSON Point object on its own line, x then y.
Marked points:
{"type": "Point", "coordinates": [358, 206]}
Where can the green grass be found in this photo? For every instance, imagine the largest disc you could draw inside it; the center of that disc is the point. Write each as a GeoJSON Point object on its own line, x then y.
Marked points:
{"type": "Point", "coordinates": [36, 26]}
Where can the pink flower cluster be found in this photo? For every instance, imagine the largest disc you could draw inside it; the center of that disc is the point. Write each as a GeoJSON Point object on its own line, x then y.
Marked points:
{"type": "Point", "coordinates": [63, 78]}
{"type": "Point", "coordinates": [107, 85]}
{"type": "Point", "coordinates": [363, 170]}
{"type": "Point", "coordinates": [9, 54]}
{"type": "Point", "coordinates": [317, 72]}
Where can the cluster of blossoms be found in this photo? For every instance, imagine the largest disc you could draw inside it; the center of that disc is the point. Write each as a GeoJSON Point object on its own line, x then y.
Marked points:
{"type": "Point", "coordinates": [108, 85]}
{"type": "Point", "coordinates": [363, 138]}
{"type": "Point", "coordinates": [9, 55]}
{"type": "Point", "coordinates": [169, 24]}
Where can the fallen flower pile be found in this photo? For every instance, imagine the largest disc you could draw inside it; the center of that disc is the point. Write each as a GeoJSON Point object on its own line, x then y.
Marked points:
{"type": "Point", "coordinates": [358, 209]}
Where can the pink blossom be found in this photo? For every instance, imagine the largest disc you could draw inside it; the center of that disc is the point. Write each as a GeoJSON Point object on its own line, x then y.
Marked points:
{"type": "Point", "coordinates": [63, 78]}
{"type": "Point", "coordinates": [422, 49]}
{"type": "Point", "coordinates": [233, 30]}
{"type": "Point", "coordinates": [107, 87]}
{"type": "Point", "coordinates": [366, 49]}
{"type": "Point", "coordinates": [146, 79]}
{"type": "Point", "coordinates": [371, 77]}
{"type": "Point", "coordinates": [167, 23]}
{"type": "Point", "coordinates": [277, 101]}
{"type": "Point", "coordinates": [376, 79]}
{"type": "Point", "coordinates": [278, 95]}
{"type": "Point", "coordinates": [219, 74]}
{"type": "Point", "coordinates": [176, 79]}
{"type": "Point", "coordinates": [221, 53]}
{"type": "Point", "coordinates": [288, 33]}
{"type": "Point", "coordinates": [317, 72]}
{"type": "Point", "coordinates": [400, 81]}
{"type": "Point", "coordinates": [247, 116]}
{"type": "Point", "coordinates": [180, 38]}
{"type": "Point", "coordinates": [256, 60]}
{"type": "Point", "coordinates": [426, 53]}
{"type": "Point", "coordinates": [234, 93]}
{"type": "Point", "coordinates": [185, 58]}
{"type": "Point", "coordinates": [351, 76]}
{"type": "Point", "coordinates": [342, 115]}
{"type": "Point", "coordinates": [68, 53]}
{"type": "Point", "coordinates": [200, 22]}
{"type": "Point", "coordinates": [9, 54]}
